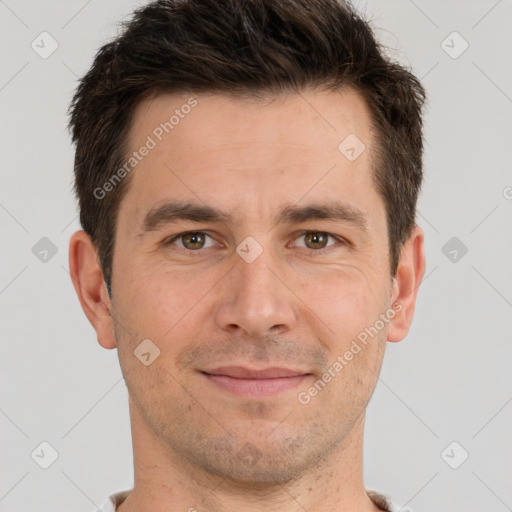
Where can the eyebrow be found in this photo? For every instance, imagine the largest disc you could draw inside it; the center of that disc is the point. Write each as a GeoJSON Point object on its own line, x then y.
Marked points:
{"type": "Point", "coordinates": [174, 211]}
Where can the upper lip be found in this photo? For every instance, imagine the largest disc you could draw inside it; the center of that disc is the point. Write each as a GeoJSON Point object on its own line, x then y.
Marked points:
{"type": "Point", "coordinates": [239, 372]}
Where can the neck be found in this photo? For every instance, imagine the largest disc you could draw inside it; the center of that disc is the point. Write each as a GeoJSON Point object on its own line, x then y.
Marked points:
{"type": "Point", "coordinates": [164, 482]}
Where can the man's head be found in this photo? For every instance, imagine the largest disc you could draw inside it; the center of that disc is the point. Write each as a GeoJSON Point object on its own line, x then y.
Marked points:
{"type": "Point", "coordinates": [248, 49]}
{"type": "Point", "coordinates": [247, 173]}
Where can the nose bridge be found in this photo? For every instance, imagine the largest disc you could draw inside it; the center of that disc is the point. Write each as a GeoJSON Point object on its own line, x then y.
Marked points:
{"type": "Point", "coordinates": [254, 297]}
{"type": "Point", "coordinates": [258, 276]}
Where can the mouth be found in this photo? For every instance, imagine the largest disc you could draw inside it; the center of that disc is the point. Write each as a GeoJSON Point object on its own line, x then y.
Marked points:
{"type": "Point", "coordinates": [247, 382]}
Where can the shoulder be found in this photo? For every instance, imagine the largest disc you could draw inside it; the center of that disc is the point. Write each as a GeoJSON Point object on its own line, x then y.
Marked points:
{"type": "Point", "coordinates": [385, 502]}
{"type": "Point", "coordinates": [114, 500]}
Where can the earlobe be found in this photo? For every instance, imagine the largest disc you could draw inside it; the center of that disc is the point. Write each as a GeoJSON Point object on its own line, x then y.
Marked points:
{"type": "Point", "coordinates": [410, 272]}
{"type": "Point", "coordinates": [87, 278]}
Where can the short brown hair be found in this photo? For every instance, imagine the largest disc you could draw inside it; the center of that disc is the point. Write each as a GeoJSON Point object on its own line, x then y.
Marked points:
{"type": "Point", "coordinates": [245, 47]}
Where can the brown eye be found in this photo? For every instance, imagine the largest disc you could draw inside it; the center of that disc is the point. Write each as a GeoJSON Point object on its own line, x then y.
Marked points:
{"type": "Point", "coordinates": [316, 239]}
{"type": "Point", "coordinates": [192, 240]}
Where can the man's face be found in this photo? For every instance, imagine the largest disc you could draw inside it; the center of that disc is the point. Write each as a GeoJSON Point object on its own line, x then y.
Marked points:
{"type": "Point", "coordinates": [251, 292]}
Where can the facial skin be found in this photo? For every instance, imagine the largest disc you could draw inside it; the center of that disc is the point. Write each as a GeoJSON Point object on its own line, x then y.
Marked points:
{"type": "Point", "coordinates": [197, 444]}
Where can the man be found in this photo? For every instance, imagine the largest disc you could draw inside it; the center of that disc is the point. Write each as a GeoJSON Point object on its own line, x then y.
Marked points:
{"type": "Point", "coordinates": [247, 173]}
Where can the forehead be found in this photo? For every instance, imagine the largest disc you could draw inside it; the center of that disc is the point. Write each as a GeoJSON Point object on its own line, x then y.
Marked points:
{"type": "Point", "coordinates": [300, 119]}
{"type": "Point", "coordinates": [219, 149]}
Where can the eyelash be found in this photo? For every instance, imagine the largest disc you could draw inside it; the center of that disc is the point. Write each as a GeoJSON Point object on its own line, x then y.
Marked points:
{"type": "Point", "coordinates": [315, 251]}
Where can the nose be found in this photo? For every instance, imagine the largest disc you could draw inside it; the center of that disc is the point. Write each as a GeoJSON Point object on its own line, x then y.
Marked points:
{"type": "Point", "coordinates": [256, 298]}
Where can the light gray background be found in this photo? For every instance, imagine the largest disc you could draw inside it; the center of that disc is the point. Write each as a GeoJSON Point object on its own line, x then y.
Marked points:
{"type": "Point", "coordinates": [450, 380]}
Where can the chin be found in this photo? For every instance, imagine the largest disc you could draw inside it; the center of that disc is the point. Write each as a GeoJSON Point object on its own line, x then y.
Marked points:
{"type": "Point", "coordinates": [258, 462]}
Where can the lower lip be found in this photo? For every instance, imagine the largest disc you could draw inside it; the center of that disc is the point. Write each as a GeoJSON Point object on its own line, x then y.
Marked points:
{"type": "Point", "coordinates": [256, 387]}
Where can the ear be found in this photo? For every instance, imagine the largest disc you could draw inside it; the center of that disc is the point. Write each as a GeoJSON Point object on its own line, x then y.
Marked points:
{"type": "Point", "coordinates": [410, 271]}
{"type": "Point", "coordinates": [90, 287]}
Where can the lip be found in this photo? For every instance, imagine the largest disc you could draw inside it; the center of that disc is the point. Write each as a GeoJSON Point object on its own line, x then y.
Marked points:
{"type": "Point", "coordinates": [247, 382]}
{"type": "Point", "coordinates": [240, 372]}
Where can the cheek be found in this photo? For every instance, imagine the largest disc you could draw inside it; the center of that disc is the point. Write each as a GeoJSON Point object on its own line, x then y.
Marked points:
{"type": "Point", "coordinates": [346, 298]}
{"type": "Point", "coordinates": [350, 303]}
{"type": "Point", "coordinates": [160, 302]}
